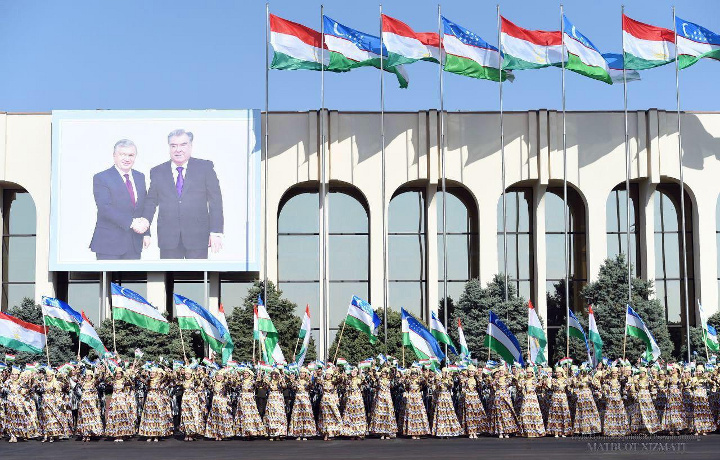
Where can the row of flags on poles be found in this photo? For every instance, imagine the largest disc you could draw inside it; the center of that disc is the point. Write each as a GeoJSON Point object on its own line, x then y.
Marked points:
{"type": "Point", "coordinates": [339, 48]}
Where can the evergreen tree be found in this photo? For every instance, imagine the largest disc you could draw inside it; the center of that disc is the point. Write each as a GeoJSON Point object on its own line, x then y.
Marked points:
{"type": "Point", "coordinates": [62, 344]}
{"type": "Point", "coordinates": [282, 313]}
{"type": "Point", "coordinates": [608, 297]}
{"type": "Point", "coordinates": [154, 345]}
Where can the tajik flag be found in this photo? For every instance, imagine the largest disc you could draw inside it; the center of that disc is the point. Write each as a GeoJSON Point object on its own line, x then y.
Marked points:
{"type": "Point", "coordinates": [529, 49]}
{"type": "Point", "coordinates": [646, 46]}
{"type": "Point", "coordinates": [362, 317]}
{"type": "Point", "coordinates": [193, 317]}
{"type": "Point", "coordinates": [537, 338]}
{"type": "Point", "coordinates": [615, 68]}
{"type": "Point", "coordinates": [464, 351]}
{"type": "Point", "coordinates": [695, 42]}
{"type": "Point", "coordinates": [576, 330]}
{"type": "Point", "coordinates": [582, 56]}
{"type": "Point", "coordinates": [20, 335]}
{"type": "Point", "coordinates": [469, 55]}
{"type": "Point", "coordinates": [268, 335]}
{"type": "Point", "coordinates": [295, 46]}
{"type": "Point", "coordinates": [403, 44]}
{"type": "Point", "coordinates": [59, 314]}
{"type": "Point", "coordinates": [350, 49]}
{"type": "Point", "coordinates": [437, 329]}
{"type": "Point", "coordinates": [635, 327]}
{"type": "Point", "coordinates": [89, 336]}
{"type": "Point", "coordinates": [417, 337]}
{"type": "Point", "coordinates": [131, 307]}
{"type": "Point", "coordinates": [594, 336]}
{"type": "Point", "coordinates": [502, 341]}
{"type": "Point", "coordinates": [708, 332]}
{"type": "Point", "coordinates": [304, 335]}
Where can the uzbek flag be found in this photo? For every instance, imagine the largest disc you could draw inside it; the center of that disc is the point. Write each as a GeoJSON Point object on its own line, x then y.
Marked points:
{"type": "Point", "coordinates": [192, 316]}
{"type": "Point", "coordinates": [615, 68]}
{"type": "Point", "coordinates": [469, 55]}
{"type": "Point", "coordinates": [362, 317]}
{"type": "Point", "coordinates": [635, 327]}
{"type": "Point", "coordinates": [708, 332]}
{"type": "Point", "coordinates": [404, 46]}
{"type": "Point", "coordinates": [582, 56]}
{"type": "Point", "coordinates": [594, 335]}
{"type": "Point", "coordinates": [502, 341]}
{"type": "Point", "coordinates": [695, 42]}
{"type": "Point", "coordinates": [464, 351]}
{"type": "Point", "coordinates": [437, 329]}
{"type": "Point", "coordinates": [646, 46]}
{"type": "Point", "coordinates": [304, 335]}
{"type": "Point", "coordinates": [20, 335]}
{"type": "Point", "coordinates": [529, 49]}
{"type": "Point", "coordinates": [59, 314]}
{"type": "Point", "coordinates": [268, 335]}
{"type": "Point", "coordinates": [416, 336]}
{"type": "Point", "coordinates": [131, 307]}
{"type": "Point", "coordinates": [89, 336]}
{"type": "Point", "coordinates": [576, 330]}
{"type": "Point", "coordinates": [536, 333]}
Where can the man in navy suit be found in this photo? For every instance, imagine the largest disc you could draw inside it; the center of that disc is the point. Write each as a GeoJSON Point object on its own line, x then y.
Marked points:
{"type": "Point", "coordinates": [120, 232]}
{"type": "Point", "coordinates": [186, 193]}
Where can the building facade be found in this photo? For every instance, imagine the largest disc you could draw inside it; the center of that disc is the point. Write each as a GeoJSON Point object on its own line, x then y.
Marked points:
{"type": "Point", "coordinates": [596, 169]}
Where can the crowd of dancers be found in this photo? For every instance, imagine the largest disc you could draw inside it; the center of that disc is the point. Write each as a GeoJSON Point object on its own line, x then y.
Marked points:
{"type": "Point", "coordinates": [152, 402]}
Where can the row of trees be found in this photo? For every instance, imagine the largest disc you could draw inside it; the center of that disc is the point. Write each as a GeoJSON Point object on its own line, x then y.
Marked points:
{"type": "Point", "coordinates": [607, 295]}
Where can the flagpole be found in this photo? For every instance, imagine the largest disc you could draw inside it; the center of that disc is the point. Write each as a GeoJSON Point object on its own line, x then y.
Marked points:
{"type": "Point", "coordinates": [682, 192]}
{"type": "Point", "coordinates": [565, 205]}
{"type": "Point", "coordinates": [627, 170]}
{"type": "Point", "coordinates": [625, 329]}
{"type": "Point", "coordinates": [112, 315]}
{"type": "Point", "coordinates": [295, 350]}
{"type": "Point", "coordinates": [705, 331]}
{"type": "Point", "coordinates": [79, 342]}
{"type": "Point", "coordinates": [47, 337]}
{"type": "Point", "coordinates": [267, 148]}
{"type": "Point", "coordinates": [382, 159]}
{"type": "Point", "coordinates": [207, 305]}
{"type": "Point", "coordinates": [337, 347]}
{"type": "Point", "coordinates": [502, 156]}
{"type": "Point", "coordinates": [324, 191]}
{"type": "Point", "coordinates": [182, 341]}
{"type": "Point", "coordinates": [442, 172]}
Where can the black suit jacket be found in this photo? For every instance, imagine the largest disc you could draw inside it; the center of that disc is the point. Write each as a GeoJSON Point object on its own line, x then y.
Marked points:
{"type": "Point", "coordinates": [115, 213]}
{"type": "Point", "coordinates": [195, 214]}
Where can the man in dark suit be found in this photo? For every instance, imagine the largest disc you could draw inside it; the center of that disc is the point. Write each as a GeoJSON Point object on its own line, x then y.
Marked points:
{"type": "Point", "coordinates": [120, 232]}
{"type": "Point", "coordinates": [186, 192]}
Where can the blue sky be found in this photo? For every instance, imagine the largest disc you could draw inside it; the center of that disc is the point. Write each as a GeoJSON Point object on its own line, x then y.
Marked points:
{"type": "Point", "coordinates": [183, 54]}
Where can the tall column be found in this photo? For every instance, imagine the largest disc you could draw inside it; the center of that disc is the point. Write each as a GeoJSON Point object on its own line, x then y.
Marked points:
{"type": "Point", "coordinates": [540, 268]}
{"type": "Point", "coordinates": [156, 294]}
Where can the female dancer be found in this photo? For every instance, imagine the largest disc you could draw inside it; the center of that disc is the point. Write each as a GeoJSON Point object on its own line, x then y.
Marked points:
{"type": "Point", "coordinates": [445, 422]}
{"type": "Point", "coordinates": [191, 406]}
{"type": "Point", "coordinates": [415, 419]}
{"type": "Point", "coordinates": [559, 422]}
{"type": "Point", "coordinates": [587, 418]}
{"type": "Point", "coordinates": [275, 418]}
{"type": "Point", "coordinates": [354, 422]}
{"type": "Point", "coordinates": [474, 418]}
{"type": "Point", "coordinates": [220, 420]}
{"type": "Point", "coordinates": [503, 421]}
{"type": "Point", "coordinates": [302, 421]}
{"type": "Point", "coordinates": [248, 423]}
{"type": "Point", "coordinates": [122, 412]}
{"type": "Point", "coordinates": [530, 417]}
{"type": "Point", "coordinates": [329, 420]}
{"type": "Point", "coordinates": [673, 420]}
{"type": "Point", "coordinates": [645, 419]}
{"type": "Point", "coordinates": [21, 420]}
{"type": "Point", "coordinates": [157, 420]}
{"type": "Point", "coordinates": [702, 416]}
{"type": "Point", "coordinates": [616, 416]}
{"type": "Point", "coordinates": [89, 422]}
{"type": "Point", "coordinates": [55, 408]}
{"type": "Point", "coordinates": [382, 419]}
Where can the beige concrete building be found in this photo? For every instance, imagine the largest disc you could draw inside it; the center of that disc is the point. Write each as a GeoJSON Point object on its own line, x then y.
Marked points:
{"type": "Point", "coordinates": [534, 159]}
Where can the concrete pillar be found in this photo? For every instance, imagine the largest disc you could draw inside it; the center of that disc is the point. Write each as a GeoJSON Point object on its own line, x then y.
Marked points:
{"type": "Point", "coordinates": [156, 293]}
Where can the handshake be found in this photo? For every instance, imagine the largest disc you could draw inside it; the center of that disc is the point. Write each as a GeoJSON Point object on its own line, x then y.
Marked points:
{"type": "Point", "coordinates": [140, 225]}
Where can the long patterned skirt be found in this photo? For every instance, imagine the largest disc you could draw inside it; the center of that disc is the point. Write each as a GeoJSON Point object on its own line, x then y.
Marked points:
{"type": "Point", "coordinates": [587, 418]}
{"type": "Point", "coordinates": [247, 418]}
{"type": "Point", "coordinates": [616, 421]}
{"type": "Point", "coordinates": [157, 419]}
{"type": "Point", "coordinates": [415, 420]}
{"type": "Point", "coordinates": [382, 420]}
{"type": "Point", "coordinates": [220, 420]}
{"type": "Point", "coordinates": [673, 419]}
{"type": "Point", "coordinates": [559, 422]}
{"type": "Point", "coordinates": [687, 398]}
{"type": "Point", "coordinates": [502, 414]}
{"type": "Point", "coordinates": [530, 418]}
{"type": "Point", "coordinates": [354, 422]}
{"type": "Point", "coordinates": [445, 420]}
{"type": "Point", "coordinates": [21, 418]}
{"type": "Point", "coordinates": [191, 414]}
{"type": "Point", "coordinates": [702, 416]}
{"type": "Point", "coordinates": [302, 422]}
{"type": "Point", "coordinates": [330, 420]}
{"type": "Point", "coordinates": [89, 422]}
{"type": "Point", "coordinates": [275, 418]}
{"type": "Point", "coordinates": [645, 419]}
{"type": "Point", "coordinates": [474, 417]}
{"type": "Point", "coordinates": [120, 416]}
{"type": "Point", "coordinates": [55, 415]}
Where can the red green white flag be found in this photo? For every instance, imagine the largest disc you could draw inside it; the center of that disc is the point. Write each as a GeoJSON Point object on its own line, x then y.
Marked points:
{"type": "Point", "coordinates": [646, 46]}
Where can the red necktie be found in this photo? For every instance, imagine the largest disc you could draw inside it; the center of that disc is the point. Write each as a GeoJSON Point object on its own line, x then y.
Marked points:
{"type": "Point", "coordinates": [129, 186]}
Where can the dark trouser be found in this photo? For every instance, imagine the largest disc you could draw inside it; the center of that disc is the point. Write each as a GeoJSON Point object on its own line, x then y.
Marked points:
{"type": "Point", "coordinates": [181, 252]}
{"type": "Point", "coordinates": [130, 255]}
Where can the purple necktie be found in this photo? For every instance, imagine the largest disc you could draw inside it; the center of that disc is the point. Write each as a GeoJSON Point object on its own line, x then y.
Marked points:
{"type": "Point", "coordinates": [129, 186]}
{"type": "Point", "coordinates": [180, 181]}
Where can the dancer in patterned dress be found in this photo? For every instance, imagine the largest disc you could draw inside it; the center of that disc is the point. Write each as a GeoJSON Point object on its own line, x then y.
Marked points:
{"type": "Point", "coordinates": [55, 407]}
{"type": "Point", "coordinates": [615, 422]}
{"type": "Point", "coordinates": [503, 421]}
{"type": "Point", "coordinates": [587, 417]}
{"type": "Point", "coordinates": [673, 419]}
{"type": "Point", "coordinates": [445, 421]}
{"type": "Point", "coordinates": [329, 420]}
{"type": "Point", "coordinates": [530, 418]}
{"type": "Point", "coordinates": [703, 422]}
{"type": "Point", "coordinates": [559, 422]}
{"type": "Point", "coordinates": [354, 422]}
{"type": "Point", "coordinates": [302, 422]}
{"type": "Point", "coordinates": [474, 419]}
{"type": "Point", "coordinates": [21, 420]}
{"type": "Point", "coordinates": [192, 423]}
{"type": "Point", "coordinates": [382, 418]}
{"type": "Point", "coordinates": [220, 420]}
{"type": "Point", "coordinates": [156, 421]}
{"type": "Point", "coordinates": [646, 419]}
{"type": "Point", "coordinates": [121, 414]}
{"type": "Point", "coordinates": [89, 421]}
{"type": "Point", "coordinates": [248, 423]}
{"type": "Point", "coordinates": [415, 419]}
{"type": "Point", "coordinates": [275, 416]}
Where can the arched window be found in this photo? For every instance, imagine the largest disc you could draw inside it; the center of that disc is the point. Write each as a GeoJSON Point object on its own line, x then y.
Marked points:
{"type": "Point", "coordinates": [18, 248]}
{"type": "Point", "coordinates": [616, 219]}
{"type": "Point", "coordinates": [348, 252]}
{"type": "Point", "coordinates": [669, 273]}
{"type": "Point", "coordinates": [519, 226]}
{"type": "Point", "coordinates": [555, 254]}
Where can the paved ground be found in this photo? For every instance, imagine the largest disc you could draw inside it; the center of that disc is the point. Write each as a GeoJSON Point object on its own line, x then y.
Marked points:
{"type": "Point", "coordinates": [704, 447]}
